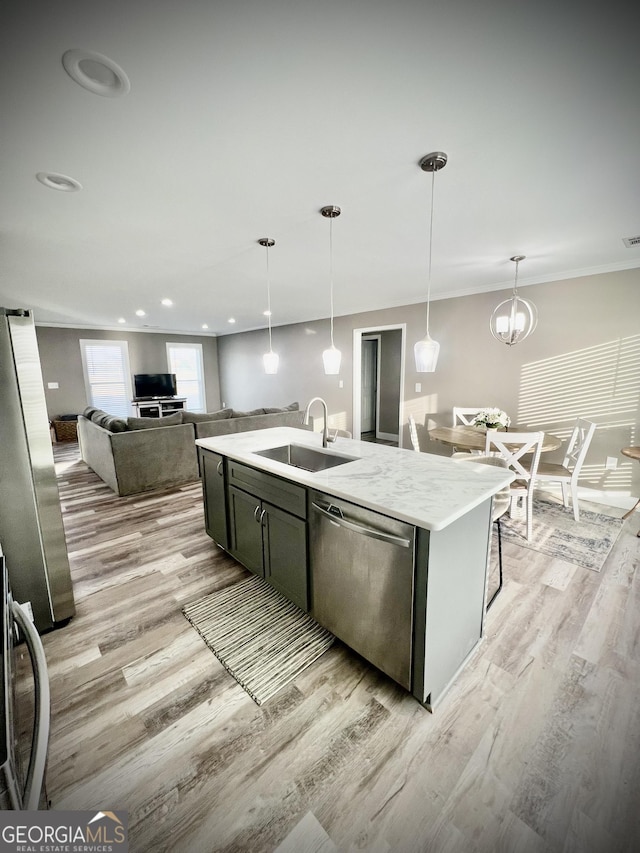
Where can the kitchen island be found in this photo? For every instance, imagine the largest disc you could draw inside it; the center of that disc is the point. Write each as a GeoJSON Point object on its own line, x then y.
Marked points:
{"type": "Point", "coordinates": [387, 548]}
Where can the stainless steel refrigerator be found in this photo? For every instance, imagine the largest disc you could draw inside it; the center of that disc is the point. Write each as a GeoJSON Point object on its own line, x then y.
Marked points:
{"type": "Point", "coordinates": [31, 529]}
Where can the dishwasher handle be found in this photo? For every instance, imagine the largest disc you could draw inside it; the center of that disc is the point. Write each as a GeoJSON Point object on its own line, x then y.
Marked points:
{"type": "Point", "coordinates": [335, 515]}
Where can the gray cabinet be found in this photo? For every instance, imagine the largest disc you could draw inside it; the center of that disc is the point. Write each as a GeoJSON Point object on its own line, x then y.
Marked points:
{"type": "Point", "coordinates": [268, 529]}
{"type": "Point", "coordinates": [212, 469]}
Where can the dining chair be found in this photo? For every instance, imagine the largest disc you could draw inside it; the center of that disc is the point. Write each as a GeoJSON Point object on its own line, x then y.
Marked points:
{"type": "Point", "coordinates": [568, 473]}
{"type": "Point", "coordinates": [464, 416]}
{"type": "Point", "coordinates": [413, 433]}
{"type": "Point", "coordinates": [512, 447]}
{"type": "Point", "coordinates": [499, 506]}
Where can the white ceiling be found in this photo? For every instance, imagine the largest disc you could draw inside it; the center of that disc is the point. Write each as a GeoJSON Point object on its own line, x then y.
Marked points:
{"type": "Point", "coordinates": [245, 118]}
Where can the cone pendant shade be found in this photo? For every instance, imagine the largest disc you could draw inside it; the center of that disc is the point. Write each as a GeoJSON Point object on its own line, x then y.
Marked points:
{"type": "Point", "coordinates": [426, 354]}
{"type": "Point", "coordinates": [331, 358]}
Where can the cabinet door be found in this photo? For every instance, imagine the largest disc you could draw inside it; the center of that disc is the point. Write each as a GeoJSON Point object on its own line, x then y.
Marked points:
{"type": "Point", "coordinates": [285, 554]}
{"type": "Point", "coordinates": [215, 501]}
{"type": "Point", "coordinates": [245, 530]}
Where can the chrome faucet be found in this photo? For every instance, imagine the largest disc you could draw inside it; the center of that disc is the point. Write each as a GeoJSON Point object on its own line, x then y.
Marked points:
{"type": "Point", "coordinates": [326, 437]}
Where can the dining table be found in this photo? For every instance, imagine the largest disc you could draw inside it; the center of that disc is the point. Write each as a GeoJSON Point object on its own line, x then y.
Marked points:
{"type": "Point", "coordinates": [472, 438]}
{"type": "Point", "coordinates": [632, 453]}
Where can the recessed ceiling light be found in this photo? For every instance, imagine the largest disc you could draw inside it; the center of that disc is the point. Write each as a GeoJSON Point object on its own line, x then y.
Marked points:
{"type": "Point", "coordinates": [141, 313]}
{"type": "Point", "coordinates": [96, 72]}
{"type": "Point", "coordinates": [121, 320]}
{"type": "Point", "coordinates": [232, 319]}
{"type": "Point", "coordinates": [205, 326]}
{"type": "Point", "coordinates": [55, 181]}
{"type": "Point", "coordinates": [167, 302]}
{"type": "Point", "coordinates": [267, 313]}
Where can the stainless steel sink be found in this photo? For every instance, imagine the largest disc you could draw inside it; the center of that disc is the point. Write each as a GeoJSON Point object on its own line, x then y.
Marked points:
{"type": "Point", "coordinates": [307, 458]}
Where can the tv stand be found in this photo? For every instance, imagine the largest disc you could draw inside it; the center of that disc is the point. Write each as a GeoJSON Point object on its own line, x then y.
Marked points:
{"type": "Point", "coordinates": [158, 408]}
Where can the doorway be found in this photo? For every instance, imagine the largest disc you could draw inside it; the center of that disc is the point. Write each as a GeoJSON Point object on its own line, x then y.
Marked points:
{"type": "Point", "coordinates": [378, 382]}
{"type": "Point", "coordinates": [370, 399]}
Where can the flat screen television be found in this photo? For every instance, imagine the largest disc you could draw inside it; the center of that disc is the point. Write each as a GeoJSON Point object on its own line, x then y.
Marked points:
{"type": "Point", "coordinates": [147, 385]}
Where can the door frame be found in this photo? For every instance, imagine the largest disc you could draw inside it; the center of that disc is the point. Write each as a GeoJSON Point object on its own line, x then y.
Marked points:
{"type": "Point", "coordinates": [358, 334]}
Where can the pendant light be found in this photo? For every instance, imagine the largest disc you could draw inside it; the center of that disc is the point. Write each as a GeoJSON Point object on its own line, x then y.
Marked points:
{"type": "Point", "coordinates": [515, 318]}
{"type": "Point", "coordinates": [332, 356]}
{"type": "Point", "coordinates": [269, 359]}
{"type": "Point", "coordinates": [426, 351]}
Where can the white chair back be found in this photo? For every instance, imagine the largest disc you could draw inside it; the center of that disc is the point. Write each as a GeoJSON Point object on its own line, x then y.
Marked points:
{"type": "Point", "coordinates": [413, 433]}
{"type": "Point", "coordinates": [579, 445]}
{"type": "Point", "coordinates": [512, 446]}
{"type": "Point", "coordinates": [464, 416]}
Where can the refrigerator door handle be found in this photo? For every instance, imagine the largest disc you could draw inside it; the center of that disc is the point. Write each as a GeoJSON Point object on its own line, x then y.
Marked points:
{"type": "Point", "coordinates": [42, 719]}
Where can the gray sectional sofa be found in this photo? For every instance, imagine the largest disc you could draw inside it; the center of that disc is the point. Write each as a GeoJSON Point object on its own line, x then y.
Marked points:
{"type": "Point", "coordinates": [134, 455]}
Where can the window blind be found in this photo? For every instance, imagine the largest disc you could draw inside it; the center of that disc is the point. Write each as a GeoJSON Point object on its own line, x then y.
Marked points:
{"type": "Point", "coordinates": [107, 376]}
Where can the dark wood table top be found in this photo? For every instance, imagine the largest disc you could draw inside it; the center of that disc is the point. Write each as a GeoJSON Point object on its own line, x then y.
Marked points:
{"type": "Point", "coordinates": [472, 438]}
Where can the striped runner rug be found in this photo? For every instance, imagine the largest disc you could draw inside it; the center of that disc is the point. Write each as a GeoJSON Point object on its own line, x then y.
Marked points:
{"type": "Point", "coordinates": [262, 639]}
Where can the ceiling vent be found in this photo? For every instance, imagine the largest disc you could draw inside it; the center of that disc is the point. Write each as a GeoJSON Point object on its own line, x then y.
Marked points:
{"type": "Point", "coordinates": [630, 242]}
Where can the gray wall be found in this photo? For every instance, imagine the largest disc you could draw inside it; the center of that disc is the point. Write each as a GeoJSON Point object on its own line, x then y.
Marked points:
{"type": "Point", "coordinates": [62, 362]}
{"type": "Point", "coordinates": [583, 359]}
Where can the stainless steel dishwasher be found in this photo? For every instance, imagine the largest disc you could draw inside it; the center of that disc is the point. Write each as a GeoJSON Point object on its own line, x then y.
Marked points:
{"type": "Point", "coordinates": [362, 581]}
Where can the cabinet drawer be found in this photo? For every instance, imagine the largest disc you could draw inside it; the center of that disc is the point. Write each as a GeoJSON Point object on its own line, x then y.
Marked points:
{"type": "Point", "coordinates": [281, 493]}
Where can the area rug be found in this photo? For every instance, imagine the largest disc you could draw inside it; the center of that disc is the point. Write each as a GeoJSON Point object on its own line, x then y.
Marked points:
{"type": "Point", "coordinates": [584, 543]}
{"type": "Point", "coordinates": [262, 639]}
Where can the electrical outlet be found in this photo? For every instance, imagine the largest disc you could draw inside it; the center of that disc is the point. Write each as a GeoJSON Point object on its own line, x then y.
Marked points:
{"type": "Point", "coordinates": [611, 463]}
{"type": "Point", "coordinates": [52, 385]}
{"type": "Point", "coordinates": [418, 387]}
{"type": "Point", "coordinates": [341, 384]}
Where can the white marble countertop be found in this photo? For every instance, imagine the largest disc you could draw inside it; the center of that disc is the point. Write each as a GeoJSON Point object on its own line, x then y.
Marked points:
{"type": "Point", "coordinates": [421, 488]}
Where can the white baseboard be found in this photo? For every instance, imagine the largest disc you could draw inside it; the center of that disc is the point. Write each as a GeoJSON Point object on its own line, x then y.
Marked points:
{"type": "Point", "coordinates": [621, 500]}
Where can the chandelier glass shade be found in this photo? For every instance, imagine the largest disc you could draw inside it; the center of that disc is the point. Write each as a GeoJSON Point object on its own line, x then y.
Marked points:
{"type": "Point", "coordinates": [331, 357]}
{"type": "Point", "coordinates": [514, 319]}
{"type": "Point", "coordinates": [269, 359]}
{"type": "Point", "coordinates": [427, 350]}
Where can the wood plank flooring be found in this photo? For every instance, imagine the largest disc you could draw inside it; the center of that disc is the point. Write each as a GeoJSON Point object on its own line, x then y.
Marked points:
{"type": "Point", "coordinates": [535, 748]}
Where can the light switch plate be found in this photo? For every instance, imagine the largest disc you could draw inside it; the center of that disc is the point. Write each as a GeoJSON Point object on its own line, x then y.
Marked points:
{"type": "Point", "coordinates": [52, 385]}
{"type": "Point", "coordinates": [418, 387]}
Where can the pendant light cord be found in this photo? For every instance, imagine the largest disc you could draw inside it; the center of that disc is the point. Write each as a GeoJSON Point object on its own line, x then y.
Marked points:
{"type": "Point", "coordinates": [331, 273]}
{"type": "Point", "coordinates": [269, 300]}
{"type": "Point", "coordinates": [433, 184]}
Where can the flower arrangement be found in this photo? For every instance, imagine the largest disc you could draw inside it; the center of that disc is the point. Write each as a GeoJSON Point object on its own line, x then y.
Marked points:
{"type": "Point", "coordinates": [492, 419]}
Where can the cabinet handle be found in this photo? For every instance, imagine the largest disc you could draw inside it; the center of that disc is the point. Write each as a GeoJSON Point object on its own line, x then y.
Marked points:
{"type": "Point", "coordinates": [219, 467]}
{"type": "Point", "coordinates": [255, 513]}
{"type": "Point", "coordinates": [262, 515]}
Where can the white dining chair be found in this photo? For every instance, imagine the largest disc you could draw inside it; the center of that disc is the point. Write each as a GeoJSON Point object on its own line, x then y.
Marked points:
{"type": "Point", "coordinates": [499, 506]}
{"type": "Point", "coordinates": [512, 447]}
{"type": "Point", "coordinates": [413, 433]}
{"type": "Point", "coordinates": [464, 416]}
{"type": "Point", "coordinates": [568, 473]}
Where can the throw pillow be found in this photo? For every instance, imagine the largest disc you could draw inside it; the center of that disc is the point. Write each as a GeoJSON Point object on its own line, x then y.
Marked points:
{"type": "Point", "coordinates": [203, 417]}
{"type": "Point", "coordinates": [252, 413]}
{"type": "Point", "coordinates": [153, 423]}
{"type": "Point", "coordinates": [292, 407]}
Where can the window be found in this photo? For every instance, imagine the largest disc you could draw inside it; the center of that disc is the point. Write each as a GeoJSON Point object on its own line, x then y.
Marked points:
{"type": "Point", "coordinates": [107, 376]}
{"type": "Point", "coordinates": [185, 360]}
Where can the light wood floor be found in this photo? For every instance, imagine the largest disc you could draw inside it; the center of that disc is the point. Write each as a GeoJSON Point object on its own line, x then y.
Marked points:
{"type": "Point", "coordinates": [536, 748]}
